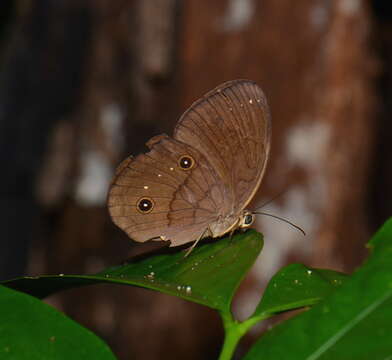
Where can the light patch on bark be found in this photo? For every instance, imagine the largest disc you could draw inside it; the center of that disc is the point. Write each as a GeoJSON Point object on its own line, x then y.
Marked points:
{"type": "Point", "coordinates": [95, 175]}
{"type": "Point", "coordinates": [306, 147]}
{"type": "Point", "coordinates": [349, 7]}
{"type": "Point", "coordinates": [319, 14]}
{"type": "Point", "coordinates": [156, 20]}
{"type": "Point", "coordinates": [238, 15]}
{"type": "Point", "coordinates": [306, 144]}
{"type": "Point", "coordinates": [112, 117]}
{"type": "Point", "coordinates": [246, 305]}
{"type": "Point", "coordinates": [280, 238]}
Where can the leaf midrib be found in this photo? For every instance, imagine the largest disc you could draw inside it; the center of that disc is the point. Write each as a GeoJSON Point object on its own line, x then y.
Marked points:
{"type": "Point", "coordinates": [345, 329]}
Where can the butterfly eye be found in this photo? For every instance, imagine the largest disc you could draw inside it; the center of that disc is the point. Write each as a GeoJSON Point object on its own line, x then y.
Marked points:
{"type": "Point", "coordinates": [186, 162]}
{"type": "Point", "coordinates": [248, 219]}
{"type": "Point", "coordinates": [145, 205]}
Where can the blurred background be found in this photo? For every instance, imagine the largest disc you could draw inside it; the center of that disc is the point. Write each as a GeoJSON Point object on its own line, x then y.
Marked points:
{"type": "Point", "coordinates": [83, 84]}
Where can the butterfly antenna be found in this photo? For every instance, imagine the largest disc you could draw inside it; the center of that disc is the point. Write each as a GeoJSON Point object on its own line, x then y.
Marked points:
{"type": "Point", "coordinates": [279, 218]}
{"type": "Point", "coordinates": [271, 200]}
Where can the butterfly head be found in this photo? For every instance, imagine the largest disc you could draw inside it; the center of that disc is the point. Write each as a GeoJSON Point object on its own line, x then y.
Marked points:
{"type": "Point", "coordinates": [246, 219]}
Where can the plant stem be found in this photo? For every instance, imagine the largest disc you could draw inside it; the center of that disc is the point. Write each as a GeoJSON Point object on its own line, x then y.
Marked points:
{"type": "Point", "coordinates": [234, 331]}
{"type": "Point", "coordinates": [233, 334]}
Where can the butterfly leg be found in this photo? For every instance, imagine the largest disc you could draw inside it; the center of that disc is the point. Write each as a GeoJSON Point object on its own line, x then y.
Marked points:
{"type": "Point", "coordinates": [198, 239]}
{"type": "Point", "coordinates": [231, 235]}
{"type": "Point", "coordinates": [232, 231]}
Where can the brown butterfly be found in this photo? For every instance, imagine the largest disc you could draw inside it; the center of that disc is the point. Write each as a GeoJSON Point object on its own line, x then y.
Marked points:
{"type": "Point", "coordinates": [197, 183]}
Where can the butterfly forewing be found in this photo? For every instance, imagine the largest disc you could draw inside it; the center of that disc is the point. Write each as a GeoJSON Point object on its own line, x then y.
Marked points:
{"type": "Point", "coordinates": [231, 126]}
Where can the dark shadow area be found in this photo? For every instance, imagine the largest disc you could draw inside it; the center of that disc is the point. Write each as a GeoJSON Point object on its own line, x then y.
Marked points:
{"type": "Point", "coordinates": [380, 201]}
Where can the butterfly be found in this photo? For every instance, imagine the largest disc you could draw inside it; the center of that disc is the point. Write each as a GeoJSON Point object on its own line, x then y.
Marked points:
{"type": "Point", "coordinates": [198, 182]}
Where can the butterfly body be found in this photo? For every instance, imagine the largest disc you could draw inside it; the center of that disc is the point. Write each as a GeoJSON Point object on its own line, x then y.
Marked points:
{"type": "Point", "coordinates": [198, 182]}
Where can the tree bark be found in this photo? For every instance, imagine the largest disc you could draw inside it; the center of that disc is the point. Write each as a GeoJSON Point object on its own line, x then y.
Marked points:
{"type": "Point", "coordinates": [85, 84]}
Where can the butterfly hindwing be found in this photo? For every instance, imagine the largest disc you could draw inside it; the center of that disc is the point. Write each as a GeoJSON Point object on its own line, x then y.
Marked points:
{"type": "Point", "coordinates": [183, 200]}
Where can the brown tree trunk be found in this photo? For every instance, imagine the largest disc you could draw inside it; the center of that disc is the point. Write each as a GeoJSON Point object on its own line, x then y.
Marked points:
{"type": "Point", "coordinates": [103, 77]}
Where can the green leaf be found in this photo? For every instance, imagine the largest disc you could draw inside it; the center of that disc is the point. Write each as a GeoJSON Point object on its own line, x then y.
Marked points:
{"type": "Point", "coordinates": [295, 286]}
{"type": "Point", "coordinates": [31, 329]}
{"type": "Point", "coordinates": [354, 322]}
{"type": "Point", "coordinates": [209, 276]}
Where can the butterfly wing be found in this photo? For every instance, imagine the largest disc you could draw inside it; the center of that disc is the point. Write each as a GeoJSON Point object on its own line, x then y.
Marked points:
{"type": "Point", "coordinates": [159, 195]}
{"type": "Point", "coordinates": [231, 127]}
{"type": "Point", "coordinates": [171, 192]}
